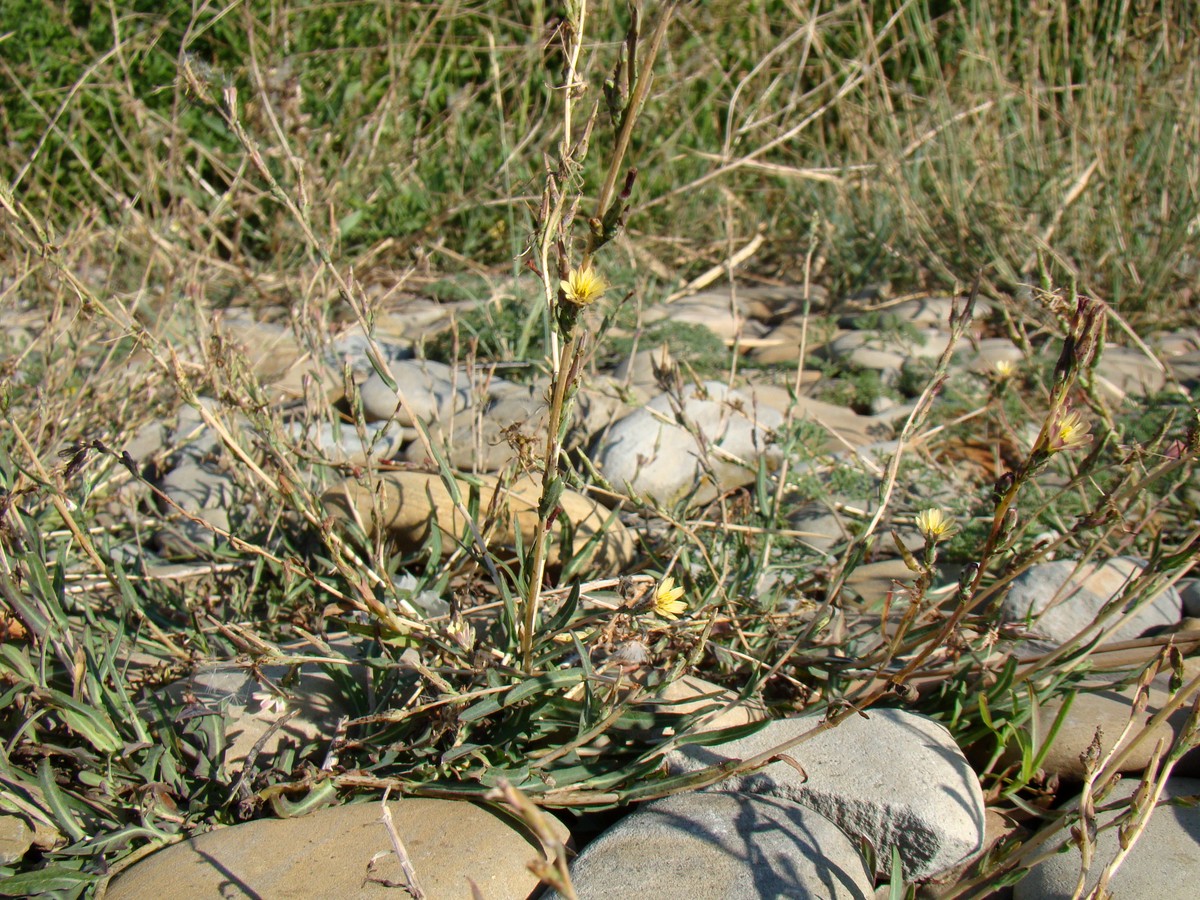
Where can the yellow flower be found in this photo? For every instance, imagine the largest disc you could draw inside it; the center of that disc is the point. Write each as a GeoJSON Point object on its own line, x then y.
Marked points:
{"type": "Point", "coordinates": [1005, 369]}
{"type": "Point", "coordinates": [583, 286]}
{"type": "Point", "coordinates": [666, 599]}
{"type": "Point", "coordinates": [1068, 431]}
{"type": "Point", "coordinates": [935, 525]}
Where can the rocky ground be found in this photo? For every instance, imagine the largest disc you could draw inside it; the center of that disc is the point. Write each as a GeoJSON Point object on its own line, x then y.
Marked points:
{"type": "Point", "coordinates": [888, 779]}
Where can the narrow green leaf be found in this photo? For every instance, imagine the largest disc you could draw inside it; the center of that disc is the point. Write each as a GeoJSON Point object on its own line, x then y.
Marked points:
{"type": "Point", "coordinates": [52, 879]}
{"type": "Point", "coordinates": [57, 801]}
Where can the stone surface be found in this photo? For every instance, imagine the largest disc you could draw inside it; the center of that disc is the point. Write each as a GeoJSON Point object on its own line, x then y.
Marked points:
{"type": "Point", "coordinates": [721, 846]}
{"type": "Point", "coordinates": [309, 708]}
{"type": "Point", "coordinates": [16, 837]}
{"type": "Point", "coordinates": [886, 351]}
{"type": "Point", "coordinates": [433, 391]}
{"type": "Point", "coordinates": [329, 853]}
{"type": "Point", "coordinates": [924, 312]}
{"type": "Point", "coordinates": [713, 310]}
{"type": "Point", "coordinates": [782, 345]}
{"type": "Point", "coordinates": [408, 504]}
{"type": "Point", "coordinates": [843, 428]}
{"type": "Point", "coordinates": [203, 489]}
{"type": "Point", "coordinates": [650, 454]}
{"type": "Point", "coordinates": [270, 349]}
{"type": "Point", "coordinates": [1127, 370]}
{"type": "Point", "coordinates": [1163, 864]}
{"type": "Point", "coordinates": [1189, 595]}
{"type": "Point", "coordinates": [1175, 342]}
{"type": "Point", "coordinates": [872, 581]}
{"type": "Point", "coordinates": [510, 426]}
{"type": "Point", "coordinates": [1064, 602]}
{"type": "Point", "coordinates": [1109, 708]}
{"type": "Point", "coordinates": [893, 778]}
{"type": "Point", "coordinates": [983, 358]}
{"type": "Point", "coordinates": [639, 368]}
{"type": "Point", "coordinates": [690, 694]}
{"type": "Point", "coordinates": [343, 444]}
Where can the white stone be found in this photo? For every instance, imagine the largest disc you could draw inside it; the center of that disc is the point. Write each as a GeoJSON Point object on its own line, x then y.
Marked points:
{"type": "Point", "coordinates": [1065, 598]}
{"type": "Point", "coordinates": [894, 778]}
{"type": "Point", "coordinates": [649, 453]}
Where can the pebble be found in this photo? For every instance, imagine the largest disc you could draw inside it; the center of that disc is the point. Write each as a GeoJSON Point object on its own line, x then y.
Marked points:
{"type": "Point", "coordinates": [1189, 594]}
{"type": "Point", "coordinates": [782, 344]}
{"type": "Point", "coordinates": [1125, 370]}
{"type": "Point", "coordinates": [433, 391]}
{"type": "Point", "coordinates": [406, 504]}
{"type": "Point", "coordinates": [1065, 603]}
{"type": "Point", "coordinates": [1109, 708]}
{"type": "Point", "coordinates": [844, 428]}
{"type": "Point", "coordinates": [727, 846]}
{"type": "Point", "coordinates": [345, 852]}
{"type": "Point", "coordinates": [342, 444]}
{"type": "Point", "coordinates": [251, 709]}
{"type": "Point", "coordinates": [891, 777]}
{"type": "Point", "coordinates": [689, 694]}
{"type": "Point", "coordinates": [1174, 343]}
{"type": "Point", "coordinates": [983, 358]}
{"type": "Point", "coordinates": [16, 837]}
{"type": "Point", "coordinates": [1163, 864]}
{"type": "Point", "coordinates": [885, 351]}
{"type": "Point", "coordinates": [650, 454]}
{"type": "Point", "coordinates": [711, 309]}
{"type": "Point", "coordinates": [492, 439]}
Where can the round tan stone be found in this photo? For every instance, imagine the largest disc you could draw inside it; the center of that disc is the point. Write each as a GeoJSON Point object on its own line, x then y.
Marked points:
{"type": "Point", "coordinates": [408, 503]}
{"type": "Point", "coordinates": [345, 852]}
{"type": "Point", "coordinates": [16, 837]}
{"type": "Point", "coordinates": [690, 694]}
{"type": "Point", "coordinates": [1109, 709]}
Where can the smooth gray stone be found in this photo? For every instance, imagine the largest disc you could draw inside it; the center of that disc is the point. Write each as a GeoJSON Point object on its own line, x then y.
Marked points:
{"type": "Point", "coordinates": [1109, 708]}
{"type": "Point", "coordinates": [710, 309]}
{"type": "Point", "coordinates": [352, 348]}
{"type": "Point", "coordinates": [1064, 603]}
{"type": "Point", "coordinates": [151, 438]}
{"type": "Point", "coordinates": [1163, 865]}
{"type": "Point", "coordinates": [490, 439]}
{"type": "Point", "coordinates": [203, 491]}
{"type": "Point", "coordinates": [191, 437]}
{"type": "Point", "coordinates": [991, 351]}
{"type": "Point", "coordinates": [894, 778]}
{"type": "Point", "coordinates": [1175, 343]}
{"type": "Point", "coordinates": [343, 443]}
{"type": "Point", "coordinates": [648, 452]}
{"type": "Point", "coordinates": [312, 697]}
{"type": "Point", "coordinates": [923, 312]}
{"type": "Point", "coordinates": [344, 852]}
{"type": "Point", "coordinates": [1189, 594]}
{"type": "Point", "coordinates": [433, 390]}
{"type": "Point", "coordinates": [1127, 370]}
{"type": "Point", "coordinates": [844, 427]}
{"type": "Point", "coordinates": [883, 351]}
{"type": "Point", "coordinates": [721, 846]}
{"type": "Point", "coordinates": [195, 486]}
